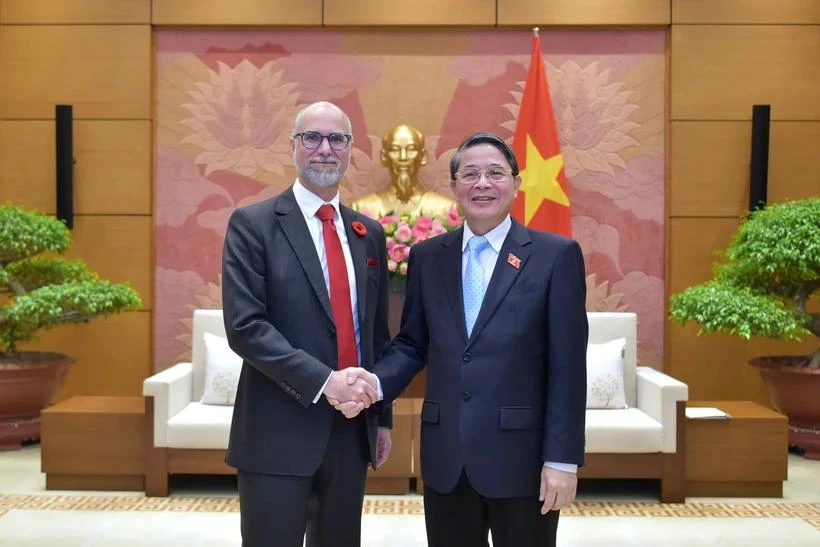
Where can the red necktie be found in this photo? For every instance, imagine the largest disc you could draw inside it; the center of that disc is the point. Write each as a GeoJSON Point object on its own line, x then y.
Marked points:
{"type": "Point", "coordinates": [339, 290]}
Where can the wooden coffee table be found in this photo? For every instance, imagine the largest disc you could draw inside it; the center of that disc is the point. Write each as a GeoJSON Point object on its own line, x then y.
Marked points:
{"type": "Point", "coordinates": [744, 456]}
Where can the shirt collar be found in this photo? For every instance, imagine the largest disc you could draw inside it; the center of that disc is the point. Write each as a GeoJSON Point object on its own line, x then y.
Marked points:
{"type": "Point", "coordinates": [496, 236]}
{"type": "Point", "coordinates": [309, 202]}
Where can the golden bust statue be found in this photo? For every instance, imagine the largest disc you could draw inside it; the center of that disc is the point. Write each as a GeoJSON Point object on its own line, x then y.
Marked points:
{"type": "Point", "coordinates": [403, 153]}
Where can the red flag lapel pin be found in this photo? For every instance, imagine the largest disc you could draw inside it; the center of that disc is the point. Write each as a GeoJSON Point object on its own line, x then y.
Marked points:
{"type": "Point", "coordinates": [514, 261]}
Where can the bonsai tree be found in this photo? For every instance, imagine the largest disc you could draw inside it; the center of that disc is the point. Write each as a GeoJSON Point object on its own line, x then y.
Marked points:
{"type": "Point", "coordinates": [768, 274]}
{"type": "Point", "coordinates": [38, 292]}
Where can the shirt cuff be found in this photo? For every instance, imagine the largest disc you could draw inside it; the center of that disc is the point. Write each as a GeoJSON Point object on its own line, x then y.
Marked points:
{"type": "Point", "coordinates": [566, 467]}
{"type": "Point", "coordinates": [322, 389]}
{"type": "Point", "coordinates": [379, 392]}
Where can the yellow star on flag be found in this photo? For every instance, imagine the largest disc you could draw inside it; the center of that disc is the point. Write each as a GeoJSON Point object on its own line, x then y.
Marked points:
{"type": "Point", "coordinates": [539, 180]}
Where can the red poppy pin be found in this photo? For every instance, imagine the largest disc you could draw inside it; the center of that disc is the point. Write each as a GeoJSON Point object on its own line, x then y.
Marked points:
{"type": "Point", "coordinates": [359, 228]}
{"type": "Point", "coordinates": [514, 261]}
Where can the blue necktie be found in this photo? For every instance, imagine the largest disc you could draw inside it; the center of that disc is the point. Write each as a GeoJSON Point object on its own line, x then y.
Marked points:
{"type": "Point", "coordinates": [473, 290]}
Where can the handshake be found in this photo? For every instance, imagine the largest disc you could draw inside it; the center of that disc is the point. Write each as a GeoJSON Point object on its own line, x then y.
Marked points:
{"type": "Point", "coordinates": [351, 390]}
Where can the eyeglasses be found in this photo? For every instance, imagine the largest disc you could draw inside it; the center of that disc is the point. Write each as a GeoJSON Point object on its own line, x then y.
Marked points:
{"type": "Point", "coordinates": [495, 173]}
{"type": "Point", "coordinates": [313, 140]}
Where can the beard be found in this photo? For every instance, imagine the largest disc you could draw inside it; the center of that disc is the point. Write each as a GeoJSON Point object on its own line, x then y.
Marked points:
{"type": "Point", "coordinates": [322, 177]}
{"type": "Point", "coordinates": [404, 185]}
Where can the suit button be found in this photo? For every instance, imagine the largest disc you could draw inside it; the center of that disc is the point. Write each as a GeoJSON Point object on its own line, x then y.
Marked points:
{"type": "Point", "coordinates": [465, 395]}
{"type": "Point", "coordinates": [284, 384]}
{"type": "Point", "coordinates": [331, 332]}
{"type": "Point", "coordinates": [467, 357]}
{"type": "Point", "coordinates": [298, 396]}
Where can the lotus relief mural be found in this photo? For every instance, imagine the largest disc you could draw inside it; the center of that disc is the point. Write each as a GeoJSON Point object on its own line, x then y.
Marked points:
{"type": "Point", "coordinates": [226, 101]}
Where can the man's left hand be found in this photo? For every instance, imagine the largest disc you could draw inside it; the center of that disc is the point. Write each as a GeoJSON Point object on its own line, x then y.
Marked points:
{"type": "Point", "coordinates": [557, 489]}
{"type": "Point", "coordinates": [350, 409]}
{"type": "Point", "coordinates": [383, 445]}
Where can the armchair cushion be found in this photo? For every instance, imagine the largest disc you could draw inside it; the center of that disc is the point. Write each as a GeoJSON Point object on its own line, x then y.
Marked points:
{"type": "Point", "coordinates": [626, 430]}
{"type": "Point", "coordinates": [222, 368]}
{"type": "Point", "coordinates": [605, 374]}
{"type": "Point", "coordinates": [200, 426]}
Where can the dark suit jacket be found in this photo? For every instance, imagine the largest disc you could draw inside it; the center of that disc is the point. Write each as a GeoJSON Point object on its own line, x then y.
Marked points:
{"type": "Point", "coordinates": [279, 320]}
{"type": "Point", "coordinates": [511, 396]}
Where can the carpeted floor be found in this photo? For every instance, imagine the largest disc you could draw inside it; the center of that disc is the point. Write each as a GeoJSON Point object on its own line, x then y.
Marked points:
{"type": "Point", "coordinates": [387, 505]}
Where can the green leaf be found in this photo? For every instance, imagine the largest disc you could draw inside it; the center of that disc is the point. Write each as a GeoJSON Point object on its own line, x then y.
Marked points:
{"type": "Point", "coordinates": [778, 247]}
{"type": "Point", "coordinates": [768, 274]}
{"type": "Point", "coordinates": [720, 307]}
{"type": "Point", "coordinates": [36, 272]}
{"type": "Point", "coordinates": [47, 291]}
{"type": "Point", "coordinates": [54, 305]}
{"type": "Point", "coordinates": [26, 233]}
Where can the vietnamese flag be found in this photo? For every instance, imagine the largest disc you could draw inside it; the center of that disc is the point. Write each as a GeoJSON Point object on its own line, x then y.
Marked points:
{"type": "Point", "coordinates": [543, 202]}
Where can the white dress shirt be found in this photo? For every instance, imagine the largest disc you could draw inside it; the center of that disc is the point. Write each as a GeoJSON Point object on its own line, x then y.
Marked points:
{"type": "Point", "coordinates": [488, 258]}
{"type": "Point", "coordinates": [309, 203]}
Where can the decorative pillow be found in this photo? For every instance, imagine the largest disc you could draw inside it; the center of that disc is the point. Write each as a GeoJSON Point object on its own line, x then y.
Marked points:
{"type": "Point", "coordinates": [222, 368]}
{"type": "Point", "coordinates": [605, 374]}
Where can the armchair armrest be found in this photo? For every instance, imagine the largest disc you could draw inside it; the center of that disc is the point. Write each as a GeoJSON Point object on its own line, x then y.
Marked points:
{"type": "Point", "coordinates": [658, 394]}
{"type": "Point", "coordinates": [171, 389]}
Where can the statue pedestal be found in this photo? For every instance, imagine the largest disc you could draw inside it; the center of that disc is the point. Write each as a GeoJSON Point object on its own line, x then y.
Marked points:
{"type": "Point", "coordinates": [416, 387]}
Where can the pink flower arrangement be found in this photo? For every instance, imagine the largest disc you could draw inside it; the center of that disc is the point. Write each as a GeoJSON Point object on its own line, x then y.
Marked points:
{"type": "Point", "coordinates": [403, 230]}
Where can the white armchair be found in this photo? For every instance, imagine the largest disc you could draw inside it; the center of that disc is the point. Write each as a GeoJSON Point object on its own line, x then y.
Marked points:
{"type": "Point", "coordinates": [646, 439]}
{"type": "Point", "coordinates": [183, 435]}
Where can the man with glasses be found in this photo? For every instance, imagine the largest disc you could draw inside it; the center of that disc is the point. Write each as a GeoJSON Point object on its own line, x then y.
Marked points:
{"type": "Point", "coordinates": [497, 313]}
{"type": "Point", "coordinates": [305, 291]}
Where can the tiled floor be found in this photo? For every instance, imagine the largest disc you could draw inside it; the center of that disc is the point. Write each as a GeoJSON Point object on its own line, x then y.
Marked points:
{"type": "Point", "coordinates": [205, 513]}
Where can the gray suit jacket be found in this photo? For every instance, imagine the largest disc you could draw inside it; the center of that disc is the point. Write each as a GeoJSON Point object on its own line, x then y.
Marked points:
{"type": "Point", "coordinates": [279, 320]}
{"type": "Point", "coordinates": [511, 396]}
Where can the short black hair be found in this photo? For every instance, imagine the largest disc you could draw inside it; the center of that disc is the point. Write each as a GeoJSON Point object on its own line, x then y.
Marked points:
{"type": "Point", "coordinates": [483, 137]}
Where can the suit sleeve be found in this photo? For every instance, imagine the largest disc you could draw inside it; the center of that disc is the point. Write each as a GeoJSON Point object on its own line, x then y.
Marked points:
{"type": "Point", "coordinates": [381, 331]}
{"type": "Point", "coordinates": [406, 355]}
{"type": "Point", "coordinates": [250, 333]}
{"type": "Point", "coordinates": [567, 332]}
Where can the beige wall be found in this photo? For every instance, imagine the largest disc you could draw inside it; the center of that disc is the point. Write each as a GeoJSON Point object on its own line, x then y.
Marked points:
{"type": "Point", "coordinates": [724, 56]}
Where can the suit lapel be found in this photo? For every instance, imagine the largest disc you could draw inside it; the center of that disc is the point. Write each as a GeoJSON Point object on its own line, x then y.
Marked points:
{"type": "Point", "coordinates": [451, 276]}
{"type": "Point", "coordinates": [293, 225]}
{"type": "Point", "coordinates": [504, 274]}
{"type": "Point", "coordinates": [358, 253]}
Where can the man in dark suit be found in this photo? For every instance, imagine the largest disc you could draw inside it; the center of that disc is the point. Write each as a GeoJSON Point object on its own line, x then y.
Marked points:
{"type": "Point", "coordinates": [305, 296]}
{"type": "Point", "coordinates": [497, 312]}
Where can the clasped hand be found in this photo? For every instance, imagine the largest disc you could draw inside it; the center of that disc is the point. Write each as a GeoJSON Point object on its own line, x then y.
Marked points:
{"type": "Point", "coordinates": [351, 390]}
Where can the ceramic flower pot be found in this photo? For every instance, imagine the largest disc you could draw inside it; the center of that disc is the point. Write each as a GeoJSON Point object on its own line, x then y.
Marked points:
{"type": "Point", "coordinates": [28, 383]}
{"type": "Point", "coordinates": [795, 392]}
